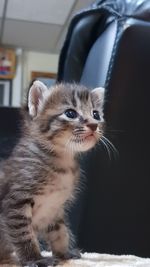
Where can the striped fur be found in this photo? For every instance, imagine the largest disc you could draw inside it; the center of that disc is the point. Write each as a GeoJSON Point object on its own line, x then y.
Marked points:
{"type": "Point", "coordinates": [42, 173]}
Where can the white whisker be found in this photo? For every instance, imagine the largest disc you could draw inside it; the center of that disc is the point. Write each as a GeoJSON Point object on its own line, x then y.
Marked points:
{"type": "Point", "coordinates": [112, 148]}
{"type": "Point", "coordinates": [111, 145]}
{"type": "Point", "coordinates": [106, 147]}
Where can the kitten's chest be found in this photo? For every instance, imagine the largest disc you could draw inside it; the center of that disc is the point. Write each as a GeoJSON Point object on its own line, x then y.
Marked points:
{"type": "Point", "coordinates": [48, 205]}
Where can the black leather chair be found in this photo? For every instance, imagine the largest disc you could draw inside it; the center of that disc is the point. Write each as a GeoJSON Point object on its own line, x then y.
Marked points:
{"type": "Point", "coordinates": [10, 132]}
{"type": "Point", "coordinates": [109, 45]}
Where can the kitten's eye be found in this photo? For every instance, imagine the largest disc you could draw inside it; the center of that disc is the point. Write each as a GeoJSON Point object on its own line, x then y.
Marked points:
{"type": "Point", "coordinates": [96, 115]}
{"type": "Point", "coordinates": [71, 113]}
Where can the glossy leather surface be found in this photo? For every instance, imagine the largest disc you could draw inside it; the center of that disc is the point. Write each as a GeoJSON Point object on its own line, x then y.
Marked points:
{"type": "Point", "coordinates": [98, 58]}
{"type": "Point", "coordinates": [10, 121]}
{"type": "Point", "coordinates": [139, 9]}
{"type": "Point", "coordinates": [88, 25]}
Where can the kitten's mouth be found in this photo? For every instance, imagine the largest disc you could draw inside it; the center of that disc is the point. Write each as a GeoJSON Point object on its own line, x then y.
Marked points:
{"type": "Point", "coordinates": [88, 136]}
{"type": "Point", "coordinates": [83, 138]}
{"type": "Point", "coordinates": [84, 141]}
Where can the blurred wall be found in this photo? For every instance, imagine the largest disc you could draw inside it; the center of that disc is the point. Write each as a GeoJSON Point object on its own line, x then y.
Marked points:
{"type": "Point", "coordinates": [40, 62]}
{"type": "Point", "coordinates": [28, 61]}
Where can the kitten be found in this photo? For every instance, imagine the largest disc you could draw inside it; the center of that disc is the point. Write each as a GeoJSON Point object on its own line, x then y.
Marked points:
{"type": "Point", "coordinates": [41, 175]}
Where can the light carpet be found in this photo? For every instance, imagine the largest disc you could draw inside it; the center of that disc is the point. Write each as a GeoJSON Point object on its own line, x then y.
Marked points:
{"type": "Point", "coordinates": [104, 260]}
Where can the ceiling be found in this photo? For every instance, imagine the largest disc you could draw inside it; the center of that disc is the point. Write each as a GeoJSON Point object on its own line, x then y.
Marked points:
{"type": "Point", "coordinates": [38, 25]}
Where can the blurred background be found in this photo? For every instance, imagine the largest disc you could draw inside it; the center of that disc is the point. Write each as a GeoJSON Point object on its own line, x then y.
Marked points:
{"type": "Point", "coordinates": [31, 36]}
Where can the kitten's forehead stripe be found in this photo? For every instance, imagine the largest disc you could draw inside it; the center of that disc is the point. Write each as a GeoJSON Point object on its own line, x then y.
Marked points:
{"type": "Point", "coordinates": [65, 101]}
{"type": "Point", "coordinates": [83, 95]}
{"type": "Point", "coordinates": [73, 99]}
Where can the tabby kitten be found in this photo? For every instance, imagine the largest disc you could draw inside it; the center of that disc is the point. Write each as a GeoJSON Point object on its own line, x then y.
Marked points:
{"type": "Point", "coordinates": [41, 175]}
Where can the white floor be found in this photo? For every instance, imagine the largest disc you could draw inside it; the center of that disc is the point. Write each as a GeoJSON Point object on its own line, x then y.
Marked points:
{"type": "Point", "coordinates": [105, 260]}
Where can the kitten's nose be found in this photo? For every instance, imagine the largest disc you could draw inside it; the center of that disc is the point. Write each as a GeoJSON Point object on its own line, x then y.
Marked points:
{"type": "Point", "coordinates": [92, 126]}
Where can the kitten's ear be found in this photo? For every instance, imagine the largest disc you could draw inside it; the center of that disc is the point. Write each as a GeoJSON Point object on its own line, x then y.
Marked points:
{"type": "Point", "coordinates": [98, 95]}
{"type": "Point", "coordinates": [36, 97]}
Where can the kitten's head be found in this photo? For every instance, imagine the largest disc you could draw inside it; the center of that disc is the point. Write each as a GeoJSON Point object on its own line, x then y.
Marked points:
{"type": "Point", "coordinates": [66, 116]}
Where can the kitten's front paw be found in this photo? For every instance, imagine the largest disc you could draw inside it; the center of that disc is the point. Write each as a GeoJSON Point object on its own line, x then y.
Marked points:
{"type": "Point", "coordinates": [72, 254]}
{"type": "Point", "coordinates": [43, 262]}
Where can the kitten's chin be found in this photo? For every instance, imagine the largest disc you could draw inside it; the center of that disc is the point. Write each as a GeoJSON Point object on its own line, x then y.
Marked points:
{"type": "Point", "coordinates": [85, 144]}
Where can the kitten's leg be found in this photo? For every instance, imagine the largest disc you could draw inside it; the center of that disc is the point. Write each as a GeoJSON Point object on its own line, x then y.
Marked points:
{"type": "Point", "coordinates": [61, 241]}
{"type": "Point", "coordinates": [23, 238]}
{"type": "Point", "coordinates": [6, 249]}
